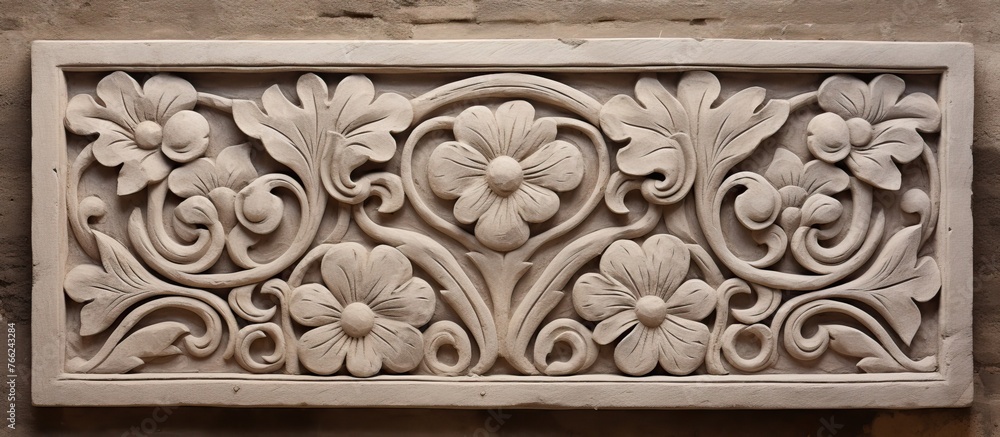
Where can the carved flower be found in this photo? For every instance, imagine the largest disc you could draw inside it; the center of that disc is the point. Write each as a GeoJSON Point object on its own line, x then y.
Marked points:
{"type": "Point", "coordinates": [871, 127]}
{"type": "Point", "coordinates": [805, 190]}
{"type": "Point", "coordinates": [504, 169]}
{"type": "Point", "coordinates": [218, 179]}
{"type": "Point", "coordinates": [140, 128]}
{"type": "Point", "coordinates": [643, 290]}
{"type": "Point", "coordinates": [367, 312]}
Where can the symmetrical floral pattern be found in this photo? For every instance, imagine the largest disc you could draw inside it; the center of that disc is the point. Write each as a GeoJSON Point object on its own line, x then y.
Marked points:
{"type": "Point", "coordinates": [341, 229]}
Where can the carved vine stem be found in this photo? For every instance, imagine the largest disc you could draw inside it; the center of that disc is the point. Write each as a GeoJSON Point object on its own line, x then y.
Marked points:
{"type": "Point", "coordinates": [79, 214]}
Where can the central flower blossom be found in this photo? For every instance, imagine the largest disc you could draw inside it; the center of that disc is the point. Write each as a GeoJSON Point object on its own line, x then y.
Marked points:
{"type": "Point", "coordinates": [504, 168]}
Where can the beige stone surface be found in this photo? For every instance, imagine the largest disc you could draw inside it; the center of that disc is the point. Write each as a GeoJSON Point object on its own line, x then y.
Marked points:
{"type": "Point", "coordinates": [22, 22]}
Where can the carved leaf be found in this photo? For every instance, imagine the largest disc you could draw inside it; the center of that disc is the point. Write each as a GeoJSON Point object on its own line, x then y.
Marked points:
{"type": "Point", "coordinates": [854, 343]}
{"type": "Point", "coordinates": [356, 124]}
{"type": "Point", "coordinates": [728, 133]}
{"type": "Point", "coordinates": [897, 280]}
{"type": "Point", "coordinates": [149, 342]}
{"type": "Point", "coordinates": [109, 290]}
{"type": "Point", "coordinates": [656, 127]}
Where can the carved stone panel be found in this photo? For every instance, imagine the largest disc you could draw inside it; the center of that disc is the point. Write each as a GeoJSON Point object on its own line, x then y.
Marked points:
{"type": "Point", "coordinates": [615, 223]}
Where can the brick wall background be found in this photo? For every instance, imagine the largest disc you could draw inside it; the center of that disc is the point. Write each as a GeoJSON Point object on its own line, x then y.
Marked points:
{"type": "Point", "coordinates": [976, 21]}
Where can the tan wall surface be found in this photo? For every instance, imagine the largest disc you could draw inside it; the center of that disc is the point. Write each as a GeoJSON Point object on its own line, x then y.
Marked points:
{"type": "Point", "coordinates": [975, 21]}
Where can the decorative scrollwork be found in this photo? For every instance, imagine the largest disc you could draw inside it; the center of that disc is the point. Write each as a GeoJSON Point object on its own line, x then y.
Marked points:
{"type": "Point", "coordinates": [683, 226]}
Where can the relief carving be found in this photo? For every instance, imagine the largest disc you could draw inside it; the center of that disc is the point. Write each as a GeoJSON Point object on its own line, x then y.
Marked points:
{"type": "Point", "coordinates": [503, 224]}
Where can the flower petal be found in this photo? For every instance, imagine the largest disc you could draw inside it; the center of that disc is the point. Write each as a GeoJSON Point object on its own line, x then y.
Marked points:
{"type": "Point", "coordinates": [114, 148]}
{"type": "Point", "coordinates": [520, 134]}
{"type": "Point", "coordinates": [501, 227]}
{"type": "Point", "coordinates": [623, 262]}
{"type": "Point", "coordinates": [84, 116]}
{"type": "Point", "coordinates": [322, 350]}
{"type": "Point", "coordinates": [166, 95]}
{"type": "Point", "coordinates": [557, 166]}
{"type": "Point", "coordinates": [693, 300]}
{"type": "Point", "coordinates": [820, 209]}
{"type": "Point", "coordinates": [609, 330]}
{"type": "Point", "coordinates": [597, 297]}
{"type": "Point", "coordinates": [400, 346]}
{"type": "Point", "coordinates": [234, 167]}
{"type": "Point", "coordinates": [412, 303]}
{"type": "Point", "coordinates": [884, 90]}
{"type": "Point", "coordinates": [121, 94]}
{"type": "Point", "coordinates": [534, 203]}
{"type": "Point", "coordinates": [785, 169]}
{"type": "Point", "coordinates": [828, 138]}
{"type": "Point", "coordinates": [844, 95]}
{"type": "Point", "coordinates": [667, 261]}
{"type": "Point", "coordinates": [636, 354]}
{"type": "Point", "coordinates": [792, 196]}
{"type": "Point", "coordinates": [903, 143]}
{"type": "Point", "coordinates": [682, 344]}
{"type": "Point", "coordinates": [362, 358]}
{"type": "Point", "coordinates": [819, 177]}
{"type": "Point", "coordinates": [342, 270]}
{"type": "Point", "coordinates": [196, 178]}
{"type": "Point", "coordinates": [875, 168]}
{"type": "Point", "coordinates": [477, 127]}
{"type": "Point", "coordinates": [185, 136]}
{"type": "Point", "coordinates": [453, 167]}
{"type": "Point", "coordinates": [475, 201]}
{"type": "Point", "coordinates": [514, 120]}
{"type": "Point", "coordinates": [137, 174]}
{"type": "Point", "coordinates": [874, 164]}
{"type": "Point", "coordinates": [313, 305]}
{"type": "Point", "coordinates": [385, 271]}
{"type": "Point", "coordinates": [917, 110]}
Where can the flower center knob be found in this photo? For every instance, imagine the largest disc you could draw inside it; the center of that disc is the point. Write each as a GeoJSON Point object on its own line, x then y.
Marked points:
{"type": "Point", "coordinates": [257, 205]}
{"type": "Point", "coordinates": [148, 135]}
{"type": "Point", "coordinates": [861, 131]}
{"type": "Point", "coordinates": [357, 320]}
{"type": "Point", "coordinates": [504, 175]}
{"type": "Point", "coordinates": [651, 311]}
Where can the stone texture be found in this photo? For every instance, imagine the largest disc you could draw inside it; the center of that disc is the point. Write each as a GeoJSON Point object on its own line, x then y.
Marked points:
{"type": "Point", "coordinates": [967, 20]}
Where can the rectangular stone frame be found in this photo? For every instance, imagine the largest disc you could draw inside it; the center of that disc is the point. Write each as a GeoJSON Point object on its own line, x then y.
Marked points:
{"type": "Point", "coordinates": [950, 386]}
